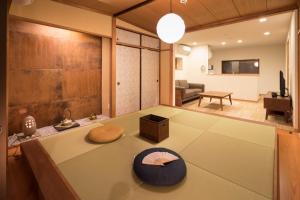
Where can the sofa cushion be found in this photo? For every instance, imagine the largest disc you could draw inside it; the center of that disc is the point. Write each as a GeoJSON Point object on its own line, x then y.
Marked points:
{"type": "Point", "coordinates": [189, 93]}
{"type": "Point", "coordinates": [184, 83]}
{"type": "Point", "coordinates": [196, 90]}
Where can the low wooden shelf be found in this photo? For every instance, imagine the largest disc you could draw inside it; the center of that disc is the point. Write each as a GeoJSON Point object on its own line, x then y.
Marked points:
{"type": "Point", "coordinates": [278, 104]}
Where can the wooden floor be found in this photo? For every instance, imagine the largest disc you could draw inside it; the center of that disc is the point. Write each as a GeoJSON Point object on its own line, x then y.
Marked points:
{"type": "Point", "coordinates": [22, 186]}
{"type": "Point", "coordinates": [289, 165]}
{"type": "Point", "coordinates": [241, 109]}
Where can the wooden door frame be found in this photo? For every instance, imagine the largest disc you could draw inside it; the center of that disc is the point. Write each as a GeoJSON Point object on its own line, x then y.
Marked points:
{"type": "Point", "coordinates": [4, 9]}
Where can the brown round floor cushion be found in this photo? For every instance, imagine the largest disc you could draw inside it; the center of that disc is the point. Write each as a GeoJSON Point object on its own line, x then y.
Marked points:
{"type": "Point", "coordinates": [105, 134]}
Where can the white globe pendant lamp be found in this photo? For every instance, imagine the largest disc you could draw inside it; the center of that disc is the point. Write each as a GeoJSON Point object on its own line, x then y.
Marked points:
{"type": "Point", "coordinates": [171, 27]}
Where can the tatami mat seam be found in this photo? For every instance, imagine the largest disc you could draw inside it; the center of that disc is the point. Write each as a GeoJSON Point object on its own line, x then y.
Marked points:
{"type": "Point", "coordinates": [265, 146]}
{"type": "Point", "coordinates": [204, 169]}
{"type": "Point", "coordinates": [97, 148]}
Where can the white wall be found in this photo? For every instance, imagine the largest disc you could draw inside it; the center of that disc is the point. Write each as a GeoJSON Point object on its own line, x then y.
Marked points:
{"type": "Point", "coordinates": [243, 86]}
{"type": "Point", "coordinates": [293, 68]}
{"type": "Point", "coordinates": [192, 64]}
{"type": "Point", "coordinates": [271, 57]}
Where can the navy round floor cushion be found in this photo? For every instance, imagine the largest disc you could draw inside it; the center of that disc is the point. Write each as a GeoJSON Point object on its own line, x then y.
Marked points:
{"type": "Point", "coordinates": [168, 175]}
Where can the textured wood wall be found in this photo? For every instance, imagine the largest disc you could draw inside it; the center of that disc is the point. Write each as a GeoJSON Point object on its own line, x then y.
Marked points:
{"type": "Point", "coordinates": [51, 69]}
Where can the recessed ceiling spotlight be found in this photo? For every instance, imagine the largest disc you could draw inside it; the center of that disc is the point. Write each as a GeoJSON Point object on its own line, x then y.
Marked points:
{"type": "Point", "coordinates": [195, 43]}
{"type": "Point", "coordinates": [267, 33]}
{"type": "Point", "coordinates": [262, 19]}
{"type": "Point", "coordinates": [240, 41]}
{"type": "Point", "coordinates": [223, 43]}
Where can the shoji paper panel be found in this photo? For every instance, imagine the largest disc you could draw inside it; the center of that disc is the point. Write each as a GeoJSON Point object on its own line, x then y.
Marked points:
{"type": "Point", "coordinates": [150, 78]}
{"type": "Point", "coordinates": [128, 80]}
{"type": "Point", "coordinates": [127, 37]}
{"type": "Point", "coordinates": [150, 42]}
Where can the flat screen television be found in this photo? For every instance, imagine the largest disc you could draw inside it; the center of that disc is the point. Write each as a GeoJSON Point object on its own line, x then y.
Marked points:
{"type": "Point", "coordinates": [282, 84]}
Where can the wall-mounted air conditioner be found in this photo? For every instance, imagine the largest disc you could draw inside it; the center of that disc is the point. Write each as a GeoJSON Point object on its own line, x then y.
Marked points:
{"type": "Point", "coordinates": [184, 49]}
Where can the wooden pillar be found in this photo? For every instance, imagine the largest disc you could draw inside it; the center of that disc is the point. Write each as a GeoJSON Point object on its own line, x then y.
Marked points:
{"type": "Point", "coordinates": [113, 68]}
{"type": "Point", "coordinates": [298, 66]}
{"type": "Point", "coordinates": [106, 76]}
{"type": "Point", "coordinates": [171, 76]}
{"type": "Point", "coordinates": [4, 7]}
{"type": "Point", "coordinates": [166, 74]}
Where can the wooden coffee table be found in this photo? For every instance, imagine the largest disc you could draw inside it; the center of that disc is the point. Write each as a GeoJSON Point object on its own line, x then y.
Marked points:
{"type": "Point", "coordinates": [216, 95]}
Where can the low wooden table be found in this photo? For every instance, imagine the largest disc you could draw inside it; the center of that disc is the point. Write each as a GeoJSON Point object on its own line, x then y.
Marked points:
{"type": "Point", "coordinates": [216, 95]}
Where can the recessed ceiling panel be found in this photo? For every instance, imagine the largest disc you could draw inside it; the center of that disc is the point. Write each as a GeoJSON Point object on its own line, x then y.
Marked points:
{"type": "Point", "coordinates": [273, 4]}
{"type": "Point", "coordinates": [250, 6]}
{"type": "Point", "coordinates": [224, 9]}
{"type": "Point", "coordinates": [196, 13]}
{"type": "Point", "coordinates": [105, 6]}
{"type": "Point", "coordinates": [251, 33]}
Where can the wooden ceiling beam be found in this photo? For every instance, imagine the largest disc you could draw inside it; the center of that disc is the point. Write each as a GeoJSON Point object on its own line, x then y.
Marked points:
{"type": "Point", "coordinates": [242, 18]}
{"type": "Point", "coordinates": [133, 8]}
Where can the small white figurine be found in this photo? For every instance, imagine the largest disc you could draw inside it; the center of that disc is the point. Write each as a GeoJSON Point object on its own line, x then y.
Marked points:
{"type": "Point", "coordinates": [29, 126]}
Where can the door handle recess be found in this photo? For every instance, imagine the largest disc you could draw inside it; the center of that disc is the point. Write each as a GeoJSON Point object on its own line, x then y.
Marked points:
{"type": "Point", "coordinates": [118, 83]}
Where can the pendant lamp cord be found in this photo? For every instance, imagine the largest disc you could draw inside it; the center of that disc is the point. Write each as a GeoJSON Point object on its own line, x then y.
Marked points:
{"type": "Point", "coordinates": [171, 6]}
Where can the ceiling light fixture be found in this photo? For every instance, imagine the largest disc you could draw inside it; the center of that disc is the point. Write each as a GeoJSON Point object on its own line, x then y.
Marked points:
{"type": "Point", "coordinates": [267, 33]}
{"type": "Point", "coordinates": [262, 19]}
{"type": "Point", "coordinates": [223, 43]}
{"type": "Point", "coordinates": [171, 27]}
{"type": "Point", "coordinates": [195, 43]}
{"type": "Point", "coordinates": [240, 41]}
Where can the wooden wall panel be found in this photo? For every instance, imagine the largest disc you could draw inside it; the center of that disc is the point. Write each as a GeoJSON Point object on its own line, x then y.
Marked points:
{"type": "Point", "coordinates": [52, 69]}
{"type": "Point", "coordinates": [4, 7]}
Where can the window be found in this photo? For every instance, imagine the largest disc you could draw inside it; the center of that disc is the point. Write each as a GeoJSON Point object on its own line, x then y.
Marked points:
{"type": "Point", "coordinates": [240, 66]}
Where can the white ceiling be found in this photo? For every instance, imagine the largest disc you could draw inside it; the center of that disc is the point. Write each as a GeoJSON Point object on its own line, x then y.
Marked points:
{"type": "Point", "coordinates": [250, 32]}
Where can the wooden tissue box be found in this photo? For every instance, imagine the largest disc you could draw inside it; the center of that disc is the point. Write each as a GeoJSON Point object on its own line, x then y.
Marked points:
{"type": "Point", "coordinates": [154, 127]}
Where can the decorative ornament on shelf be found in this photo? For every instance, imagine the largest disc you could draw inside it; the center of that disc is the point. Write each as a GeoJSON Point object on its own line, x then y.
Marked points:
{"type": "Point", "coordinates": [183, 1]}
{"type": "Point", "coordinates": [29, 126]}
{"type": "Point", "coordinates": [67, 121]}
{"type": "Point", "coordinates": [171, 27]}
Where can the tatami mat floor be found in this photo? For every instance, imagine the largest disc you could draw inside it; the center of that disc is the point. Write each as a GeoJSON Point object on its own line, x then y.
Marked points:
{"type": "Point", "coordinates": [242, 109]}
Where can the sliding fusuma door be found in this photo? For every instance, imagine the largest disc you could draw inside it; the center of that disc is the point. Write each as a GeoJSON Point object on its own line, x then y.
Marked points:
{"type": "Point", "coordinates": [150, 78]}
{"type": "Point", "coordinates": [127, 80]}
{"type": "Point", "coordinates": [137, 71]}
